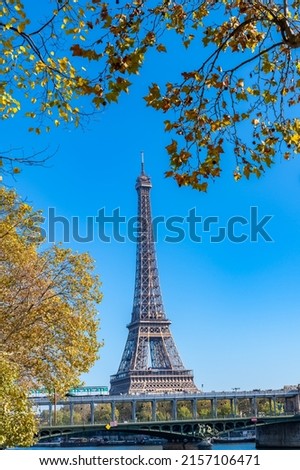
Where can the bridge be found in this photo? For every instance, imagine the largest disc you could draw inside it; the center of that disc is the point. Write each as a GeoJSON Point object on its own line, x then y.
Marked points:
{"type": "Point", "coordinates": [173, 431]}
{"type": "Point", "coordinates": [123, 413]}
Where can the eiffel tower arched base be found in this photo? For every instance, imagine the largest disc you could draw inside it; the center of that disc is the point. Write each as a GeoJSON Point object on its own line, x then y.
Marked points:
{"type": "Point", "coordinates": [169, 381]}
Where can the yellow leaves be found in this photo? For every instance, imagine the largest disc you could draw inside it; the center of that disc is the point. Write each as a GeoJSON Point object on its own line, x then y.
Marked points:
{"type": "Point", "coordinates": [8, 105]}
{"type": "Point", "coordinates": [89, 54]}
{"type": "Point", "coordinates": [39, 66]}
{"type": "Point", "coordinates": [237, 174]}
{"type": "Point", "coordinates": [268, 66]}
{"type": "Point", "coordinates": [242, 95]}
{"type": "Point", "coordinates": [132, 62]}
{"type": "Point", "coordinates": [247, 170]}
{"type": "Point", "coordinates": [153, 96]}
{"type": "Point", "coordinates": [188, 41]}
{"type": "Point", "coordinates": [54, 293]}
{"type": "Point", "coordinates": [217, 100]}
{"type": "Point", "coordinates": [63, 64]}
{"type": "Point", "coordinates": [226, 121]}
{"type": "Point", "coordinates": [22, 26]}
{"type": "Point", "coordinates": [161, 48]}
{"type": "Point", "coordinates": [172, 148]}
{"type": "Point", "coordinates": [168, 125]}
{"type": "Point", "coordinates": [30, 114]}
{"type": "Point", "coordinates": [215, 125]}
{"type": "Point", "coordinates": [213, 80]}
{"type": "Point", "coordinates": [294, 139]}
{"type": "Point", "coordinates": [18, 424]}
{"type": "Point", "coordinates": [121, 85]}
{"type": "Point", "coordinates": [149, 39]}
{"type": "Point", "coordinates": [269, 97]}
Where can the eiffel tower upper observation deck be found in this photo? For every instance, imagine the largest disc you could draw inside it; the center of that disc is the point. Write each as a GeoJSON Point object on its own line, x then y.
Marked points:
{"type": "Point", "coordinates": [150, 361]}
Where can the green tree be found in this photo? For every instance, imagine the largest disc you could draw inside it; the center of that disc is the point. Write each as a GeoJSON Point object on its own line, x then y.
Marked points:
{"type": "Point", "coordinates": [184, 411]}
{"type": "Point", "coordinates": [237, 92]}
{"type": "Point", "coordinates": [63, 415]}
{"type": "Point", "coordinates": [164, 411]}
{"type": "Point", "coordinates": [224, 408]}
{"type": "Point", "coordinates": [103, 413]}
{"type": "Point", "coordinates": [123, 412]}
{"type": "Point", "coordinates": [204, 408]}
{"type": "Point", "coordinates": [244, 407]}
{"type": "Point", "coordinates": [263, 406]}
{"type": "Point", "coordinates": [48, 315]}
{"type": "Point", "coordinates": [82, 414]}
{"type": "Point", "coordinates": [144, 411]}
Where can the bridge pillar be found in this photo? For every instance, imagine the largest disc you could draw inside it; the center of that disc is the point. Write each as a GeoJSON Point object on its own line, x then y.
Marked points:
{"type": "Point", "coordinates": [287, 406]}
{"type": "Point", "coordinates": [194, 408]}
{"type": "Point", "coordinates": [233, 406]}
{"type": "Point", "coordinates": [153, 409]}
{"type": "Point", "coordinates": [174, 408]}
{"type": "Point", "coordinates": [50, 414]}
{"type": "Point", "coordinates": [214, 412]}
{"type": "Point", "coordinates": [72, 413]}
{"type": "Point", "coordinates": [292, 404]}
{"type": "Point", "coordinates": [113, 411]}
{"type": "Point", "coordinates": [253, 406]}
{"type": "Point", "coordinates": [297, 402]}
{"type": "Point", "coordinates": [272, 406]}
{"type": "Point", "coordinates": [92, 412]}
{"type": "Point", "coordinates": [283, 435]}
{"type": "Point", "coordinates": [133, 411]}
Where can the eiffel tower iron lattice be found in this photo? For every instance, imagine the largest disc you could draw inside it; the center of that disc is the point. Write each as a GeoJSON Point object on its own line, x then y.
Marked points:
{"type": "Point", "coordinates": [150, 361]}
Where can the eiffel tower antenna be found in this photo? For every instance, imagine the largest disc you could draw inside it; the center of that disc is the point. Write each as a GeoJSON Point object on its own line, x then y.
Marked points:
{"type": "Point", "coordinates": [150, 361]}
{"type": "Point", "coordinates": [142, 163]}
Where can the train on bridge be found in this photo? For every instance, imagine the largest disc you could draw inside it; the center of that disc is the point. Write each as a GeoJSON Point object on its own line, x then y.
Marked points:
{"type": "Point", "coordinates": [86, 391]}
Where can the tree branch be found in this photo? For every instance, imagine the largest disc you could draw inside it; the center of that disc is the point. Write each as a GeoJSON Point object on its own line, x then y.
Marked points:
{"type": "Point", "coordinates": [241, 64]}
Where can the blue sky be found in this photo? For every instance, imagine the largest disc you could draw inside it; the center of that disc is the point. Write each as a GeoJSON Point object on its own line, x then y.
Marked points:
{"type": "Point", "coordinates": [234, 307]}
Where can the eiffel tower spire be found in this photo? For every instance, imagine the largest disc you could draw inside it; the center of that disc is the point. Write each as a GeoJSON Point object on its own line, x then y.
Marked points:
{"type": "Point", "coordinates": [150, 361]}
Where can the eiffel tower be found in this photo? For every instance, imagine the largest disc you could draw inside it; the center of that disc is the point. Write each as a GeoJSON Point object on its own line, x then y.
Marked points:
{"type": "Point", "coordinates": [150, 361]}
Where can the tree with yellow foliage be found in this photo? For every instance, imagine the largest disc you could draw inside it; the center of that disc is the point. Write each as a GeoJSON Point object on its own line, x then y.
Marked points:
{"type": "Point", "coordinates": [48, 315]}
{"type": "Point", "coordinates": [239, 97]}
{"type": "Point", "coordinates": [18, 424]}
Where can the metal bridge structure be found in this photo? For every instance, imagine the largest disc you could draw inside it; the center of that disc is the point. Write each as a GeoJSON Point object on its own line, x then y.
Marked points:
{"type": "Point", "coordinates": [172, 428]}
{"type": "Point", "coordinates": [173, 431]}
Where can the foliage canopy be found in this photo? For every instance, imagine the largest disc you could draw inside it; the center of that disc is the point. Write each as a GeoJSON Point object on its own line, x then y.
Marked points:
{"type": "Point", "coordinates": [240, 99]}
{"type": "Point", "coordinates": [17, 421]}
{"type": "Point", "coordinates": [48, 316]}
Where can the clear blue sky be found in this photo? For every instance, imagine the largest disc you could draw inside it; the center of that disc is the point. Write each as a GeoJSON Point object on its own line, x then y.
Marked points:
{"type": "Point", "coordinates": [234, 307]}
